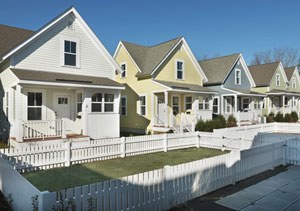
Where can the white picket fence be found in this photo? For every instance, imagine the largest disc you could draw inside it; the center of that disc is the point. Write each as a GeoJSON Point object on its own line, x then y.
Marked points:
{"type": "Point", "coordinates": [160, 189]}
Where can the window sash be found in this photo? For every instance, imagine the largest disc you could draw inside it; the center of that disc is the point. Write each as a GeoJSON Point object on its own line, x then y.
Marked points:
{"type": "Point", "coordinates": [102, 102]}
{"type": "Point", "coordinates": [123, 106]}
{"type": "Point", "coordinates": [188, 103]}
{"type": "Point", "coordinates": [79, 102]}
{"type": "Point", "coordinates": [142, 100]}
{"type": "Point", "coordinates": [124, 73]}
{"type": "Point", "coordinates": [237, 77]}
{"type": "Point", "coordinates": [70, 53]}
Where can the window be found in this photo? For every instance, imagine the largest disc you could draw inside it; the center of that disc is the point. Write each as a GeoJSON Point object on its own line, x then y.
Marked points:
{"type": "Point", "coordinates": [188, 103]}
{"type": "Point", "coordinates": [277, 79]}
{"type": "Point", "coordinates": [237, 77]}
{"type": "Point", "coordinates": [70, 53]}
{"type": "Point", "coordinates": [257, 104]}
{"type": "Point", "coordinates": [294, 83]}
{"type": "Point", "coordinates": [246, 102]}
{"type": "Point", "coordinates": [97, 102]}
{"type": "Point", "coordinates": [142, 100]}
{"type": "Point", "coordinates": [62, 100]}
{"type": "Point", "coordinates": [7, 105]}
{"type": "Point", "coordinates": [204, 104]}
{"type": "Point", "coordinates": [34, 106]}
{"type": "Point", "coordinates": [286, 101]}
{"type": "Point", "coordinates": [179, 70]}
{"type": "Point", "coordinates": [124, 106]}
{"type": "Point", "coordinates": [216, 105]}
{"type": "Point", "coordinates": [228, 104]}
{"type": "Point", "coordinates": [109, 102]}
{"type": "Point", "coordinates": [124, 68]}
{"type": "Point", "coordinates": [175, 105]}
{"type": "Point", "coordinates": [79, 102]}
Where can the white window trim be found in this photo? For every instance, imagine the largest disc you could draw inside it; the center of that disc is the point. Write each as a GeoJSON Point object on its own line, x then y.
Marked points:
{"type": "Point", "coordinates": [218, 99]}
{"type": "Point", "coordinates": [77, 102]}
{"type": "Point", "coordinates": [179, 109]}
{"type": "Point", "coordinates": [204, 103]}
{"type": "Point", "coordinates": [226, 104]}
{"type": "Point", "coordinates": [235, 78]}
{"type": "Point", "coordinates": [62, 50]}
{"type": "Point", "coordinates": [139, 104]}
{"type": "Point", "coordinates": [103, 103]}
{"type": "Point", "coordinates": [125, 97]}
{"type": "Point", "coordinates": [249, 105]}
{"type": "Point", "coordinates": [183, 69]}
{"type": "Point", "coordinates": [277, 74]}
{"type": "Point", "coordinates": [294, 83]}
{"type": "Point", "coordinates": [124, 70]}
{"type": "Point", "coordinates": [44, 97]}
{"type": "Point", "coordinates": [185, 102]}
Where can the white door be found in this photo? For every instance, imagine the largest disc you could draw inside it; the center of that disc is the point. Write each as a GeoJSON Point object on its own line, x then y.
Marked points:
{"type": "Point", "coordinates": [161, 110]}
{"type": "Point", "coordinates": [62, 109]}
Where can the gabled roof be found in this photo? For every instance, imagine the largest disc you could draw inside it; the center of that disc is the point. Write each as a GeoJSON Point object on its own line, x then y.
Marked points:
{"type": "Point", "coordinates": [148, 58]}
{"type": "Point", "coordinates": [11, 36]}
{"type": "Point", "coordinates": [217, 69]}
{"type": "Point", "coordinates": [40, 31]}
{"type": "Point", "coordinates": [263, 73]}
{"type": "Point", "coordinates": [289, 71]}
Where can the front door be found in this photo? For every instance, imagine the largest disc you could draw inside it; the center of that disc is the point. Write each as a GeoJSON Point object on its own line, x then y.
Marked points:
{"type": "Point", "coordinates": [161, 110]}
{"type": "Point", "coordinates": [62, 109]}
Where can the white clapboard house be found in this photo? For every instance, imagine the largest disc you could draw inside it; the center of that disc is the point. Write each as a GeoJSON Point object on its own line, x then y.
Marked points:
{"type": "Point", "coordinates": [57, 82]}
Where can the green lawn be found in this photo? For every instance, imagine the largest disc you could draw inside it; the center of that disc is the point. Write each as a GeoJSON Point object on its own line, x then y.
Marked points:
{"type": "Point", "coordinates": [83, 174]}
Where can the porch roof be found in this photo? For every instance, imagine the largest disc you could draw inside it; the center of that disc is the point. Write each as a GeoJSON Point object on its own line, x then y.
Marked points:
{"type": "Point", "coordinates": [282, 92]}
{"type": "Point", "coordinates": [184, 87]}
{"type": "Point", "coordinates": [245, 92]}
{"type": "Point", "coordinates": [62, 79]}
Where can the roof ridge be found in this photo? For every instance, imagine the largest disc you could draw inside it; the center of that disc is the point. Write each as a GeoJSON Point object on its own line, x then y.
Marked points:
{"type": "Point", "coordinates": [151, 45]}
{"type": "Point", "coordinates": [14, 27]}
{"type": "Point", "coordinates": [219, 57]}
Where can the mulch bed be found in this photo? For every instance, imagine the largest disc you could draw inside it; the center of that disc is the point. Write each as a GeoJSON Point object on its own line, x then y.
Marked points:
{"type": "Point", "coordinates": [206, 202]}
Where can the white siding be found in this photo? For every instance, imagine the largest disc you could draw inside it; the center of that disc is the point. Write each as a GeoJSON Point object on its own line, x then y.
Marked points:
{"type": "Point", "coordinates": [8, 79]}
{"type": "Point", "coordinates": [44, 54]}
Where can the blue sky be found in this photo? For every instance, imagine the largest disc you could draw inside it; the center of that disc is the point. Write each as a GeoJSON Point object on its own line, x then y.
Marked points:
{"type": "Point", "coordinates": [210, 27]}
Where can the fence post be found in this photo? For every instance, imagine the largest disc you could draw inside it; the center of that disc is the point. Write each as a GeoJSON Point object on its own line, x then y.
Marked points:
{"type": "Point", "coordinates": [63, 128]}
{"type": "Point", "coordinates": [198, 139]}
{"type": "Point", "coordinates": [167, 187]}
{"type": "Point", "coordinates": [165, 142]}
{"type": "Point", "coordinates": [68, 154]}
{"type": "Point", "coordinates": [123, 148]}
{"type": "Point", "coordinates": [284, 152]}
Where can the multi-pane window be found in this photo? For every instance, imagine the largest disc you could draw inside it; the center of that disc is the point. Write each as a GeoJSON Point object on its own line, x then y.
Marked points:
{"type": "Point", "coordinates": [97, 102]}
{"type": "Point", "coordinates": [109, 102]}
{"type": "Point", "coordinates": [238, 77]}
{"type": "Point", "coordinates": [294, 83]}
{"type": "Point", "coordinates": [62, 100]}
{"type": "Point", "coordinates": [79, 102]}
{"type": "Point", "coordinates": [34, 106]}
{"type": "Point", "coordinates": [246, 102]}
{"type": "Point", "coordinates": [204, 104]}
{"type": "Point", "coordinates": [216, 105]}
{"type": "Point", "coordinates": [175, 105]}
{"type": "Point", "coordinates": [70, 53]}
{"type": "Point", "coordinates": [277, 79]}
{"type": "Point", "coordinates": [188, 103]}
{"type": "Point", "coordinates": [228, 104]}
{"type": "Point", "coordinates": [179, 70]}
{"type": "Point", "coordinates": [123, 105]}
{"type": "Point", "coordinates": [124, 68]}
{"type": "Point", "coordinates": [257, 104]}
{"type": "Point", "coordinates": [142, 100]}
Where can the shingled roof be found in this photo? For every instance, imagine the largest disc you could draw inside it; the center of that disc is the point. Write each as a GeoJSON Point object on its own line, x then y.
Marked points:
{"type": "Point", "coordinates": [185, 86]}
{"type": "Point", "coordinates": [216, 69]}
{"type": "Point", "coordinates": [148, 58]}
{"type": "Point", "coordinates": [289, 72]}
{"type": "Point", "coordinates": [263, 73]}
{"type": "Point", "coordinates": [11, 36]}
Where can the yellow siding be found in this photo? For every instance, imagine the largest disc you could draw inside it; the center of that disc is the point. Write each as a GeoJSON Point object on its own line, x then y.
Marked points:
{"type": "Point", "coordinates": [282, 82]}
{"type": "Point", "coordinates": [167, 71]}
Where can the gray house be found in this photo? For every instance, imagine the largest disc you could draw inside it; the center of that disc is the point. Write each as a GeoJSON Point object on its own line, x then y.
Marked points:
{"type": "Point", "coordinates": [230, 76]}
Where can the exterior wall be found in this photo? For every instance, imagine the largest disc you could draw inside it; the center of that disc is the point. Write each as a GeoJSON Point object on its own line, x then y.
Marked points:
{"type": "Point", "coordinates": [103, 125]}
{"type": "Point", "coordinates": [230, 80]}
{"type": "Point", "coordinates": [167, 71]}
{"type": "Point", "coordinates": [8, 79]}
{"type": "Point", "coordinates": [297, 89]}
{"type": "Point", "coordinates": [44, 54]}
{"type": "Point", "coordinates": [267, 100]}
{"type": "Point", "coordinates": [282, 82]}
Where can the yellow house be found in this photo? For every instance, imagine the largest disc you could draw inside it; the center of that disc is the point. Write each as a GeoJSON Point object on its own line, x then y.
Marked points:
{"type": "Point", "coordinates": [164, 87]}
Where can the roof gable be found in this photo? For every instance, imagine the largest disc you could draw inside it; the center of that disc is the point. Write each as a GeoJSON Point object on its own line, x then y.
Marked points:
{"type": "Point", "coordinates": [263, 73]}
{"type": "Point", "coordinates": [289, 71]}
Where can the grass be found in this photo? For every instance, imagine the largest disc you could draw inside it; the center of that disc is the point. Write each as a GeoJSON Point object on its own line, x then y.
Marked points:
{"type": "Point", "coordinates": [83, 174]}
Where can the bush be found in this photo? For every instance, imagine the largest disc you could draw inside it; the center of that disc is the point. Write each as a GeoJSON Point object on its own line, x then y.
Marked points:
{"type": "Point", "coordinates": [294, 116]}
{"type": "Point", "coordinates": [288, 118]}
{"type": "Point", "coordinates": [270, 118]}
{"type": "Point", "coordinates": [220, 122]}
{"type": "Point", "coordinates": [231, 121]}
{"type": "Point", "coordinates": [210, 125]}
{"type": "Point", "coordinates": [200, 126]}
{"type": "Point", "coordinates": [279, 117]}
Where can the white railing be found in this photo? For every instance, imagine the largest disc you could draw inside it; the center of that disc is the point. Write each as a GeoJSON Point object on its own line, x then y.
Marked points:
{"type": "Point", "coordinates": [286, 110]}
{"type": "Point", "coordinates": [42, 129]}
{"type": "Point", "coordinates": [175, 123]}
{"type": "Point", "coordinates": [158, 121]}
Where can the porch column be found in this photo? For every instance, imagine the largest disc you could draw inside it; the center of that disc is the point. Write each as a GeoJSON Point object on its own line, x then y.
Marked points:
{"type": "Point", "coordinates": [86, 109]}
{"type": "Point", "coordinates": [283, 102]}
{"type": "Point", "coordinates": [18, 117]}
{"type": "Point", "coordinates": [235, 104]}
{"type": "Point", "coordinates": [222, 105]}
{"type": "Point", "coordinates": [293, 103]}
{"type": "Point", "coordinates": [166, 109]}
{"type": "Point", "coordinates": [152, 109]}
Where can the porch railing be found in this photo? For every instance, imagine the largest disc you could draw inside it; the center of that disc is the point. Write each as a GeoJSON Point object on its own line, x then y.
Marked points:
{"type": "Point", "coordinates": [42, 129]}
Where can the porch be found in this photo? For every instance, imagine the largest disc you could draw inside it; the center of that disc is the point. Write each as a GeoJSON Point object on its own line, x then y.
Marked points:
{"type": "Point", "coordinates": [41, 111]}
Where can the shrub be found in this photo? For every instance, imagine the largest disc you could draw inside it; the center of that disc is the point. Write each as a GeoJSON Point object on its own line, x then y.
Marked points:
{"type": "Point", "coordinates": [200, 126]}
{"type": "Point", "coordinates": [288, 118]}
{"type": "Point", "coordinates": [294, 116]}
{"type": "Point", "coordinates": [270, 118]}
{"type": "Point", "coordinates": [220, 122]}
{"type": "Point", "coordinates": [231, 121]}
{"type": "Point", "coordinates": [279, 117]}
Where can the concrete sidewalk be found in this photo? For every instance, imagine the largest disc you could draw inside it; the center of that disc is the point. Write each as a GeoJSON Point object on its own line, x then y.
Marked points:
{"type": "Point", "coordinates": [280, 192]}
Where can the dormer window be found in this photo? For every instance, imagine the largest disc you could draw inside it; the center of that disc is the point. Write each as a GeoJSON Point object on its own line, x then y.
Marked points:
{"type": "Point", "coordinates": [237, 77]}
{"type": "Point", "coordinates": [124, 68]}
{"type": "Point", "coordinates": [179, 69]}
{"type": "Point", "coordinates": [277, 79]}
{"type": "Point", "coordinates": [294, 83]}
{"type": "Point", "coordinates": [70, 52]}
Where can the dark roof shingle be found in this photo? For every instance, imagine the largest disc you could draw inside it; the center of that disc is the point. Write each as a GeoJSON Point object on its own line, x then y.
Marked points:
{"type": "Point", "coordinates": [289, 72]}
{"type": "Point", "coordinates": [11, 36]}
{"type": "Point", "coordinates": [262, 74]}
{"type": "Point", "coordinates": [185, 86]}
